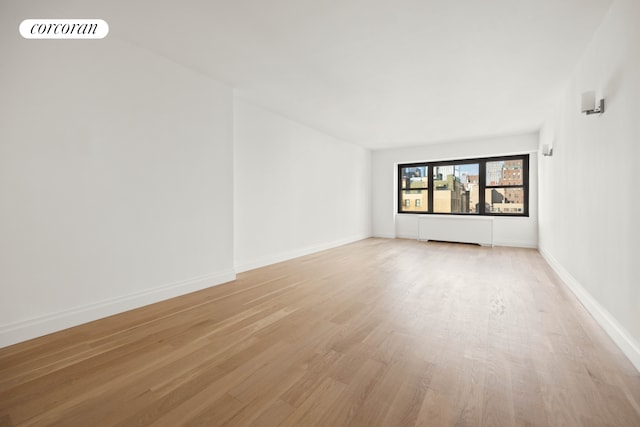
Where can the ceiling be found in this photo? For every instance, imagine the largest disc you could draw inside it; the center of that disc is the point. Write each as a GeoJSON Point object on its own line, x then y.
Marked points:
{"type": "Point", "coordinates": [379, 73]}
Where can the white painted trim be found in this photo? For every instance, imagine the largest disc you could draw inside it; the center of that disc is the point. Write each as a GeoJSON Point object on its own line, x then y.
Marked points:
{"type": "Point", "coordinates": [285, 256]}
{"type": "Point", "coordinates": [386, 236]}
{"type": "Point", "coordinates": [406, 236]}
{"type": "Point", "coordinates": [527, 245]}
{"type": "Point", "coordinates": [629, 346]}
{"type": "Point", "coordinates": [16, 332]}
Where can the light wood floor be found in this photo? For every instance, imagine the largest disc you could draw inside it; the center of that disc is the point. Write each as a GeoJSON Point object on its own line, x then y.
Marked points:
{"type": "Point", "coordinates": [380, 332]}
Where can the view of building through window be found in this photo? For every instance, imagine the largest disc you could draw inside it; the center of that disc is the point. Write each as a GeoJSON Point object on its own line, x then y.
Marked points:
{"type": "Point", "coordinates": [455, 188]}
{"type": "Point", "coordinates": [504, 188]}
{"type": "Point", "coordinates": [415, 185]}
{"type": "Point", "coordinates": [492, 186]}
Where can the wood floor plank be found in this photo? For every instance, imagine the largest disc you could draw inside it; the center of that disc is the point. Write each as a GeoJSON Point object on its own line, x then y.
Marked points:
{"type": "Point", "coordinates": [379, 332]}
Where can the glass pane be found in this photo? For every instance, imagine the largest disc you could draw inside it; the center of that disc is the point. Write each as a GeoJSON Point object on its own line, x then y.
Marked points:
{"type": "Point", "coordinates": [456, 188]}
{"type": "Point", "coordinates": [505, 173]}
{"type": "Point", "coordinates": [415, 201]}
{"type": "Point", "coordinates": [505, 200]}
{"type": "Point", "coordinates": [415, 177]}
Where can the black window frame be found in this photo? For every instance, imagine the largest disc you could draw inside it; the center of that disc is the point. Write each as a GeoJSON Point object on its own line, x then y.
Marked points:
{"type": "Point", "coordinates": [409, 188]}
{"type": "Point", "coordinates": [482, 185]}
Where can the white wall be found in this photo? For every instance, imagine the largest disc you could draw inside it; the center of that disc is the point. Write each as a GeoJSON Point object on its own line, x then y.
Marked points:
{"type": "Point", "coordinates": [589, 188]}
{"type": "Point", "coordinates": [297, 190]}
{"type": "Point", "coordinates": [115, 181]}
{"type": "Point", "coordinates": [507, 231]}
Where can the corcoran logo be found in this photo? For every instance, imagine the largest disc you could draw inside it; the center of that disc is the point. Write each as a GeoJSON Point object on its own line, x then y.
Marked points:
{"type": "Point", "coordinates": [64, 29]}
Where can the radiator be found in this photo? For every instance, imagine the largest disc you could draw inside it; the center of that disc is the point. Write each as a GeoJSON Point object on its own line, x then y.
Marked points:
{"type": "Point", "coordinates": [456, 228]}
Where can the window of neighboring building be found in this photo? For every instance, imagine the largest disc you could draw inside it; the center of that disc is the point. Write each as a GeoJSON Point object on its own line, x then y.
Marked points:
{"type": "Point", "coordinates": [489, 186]}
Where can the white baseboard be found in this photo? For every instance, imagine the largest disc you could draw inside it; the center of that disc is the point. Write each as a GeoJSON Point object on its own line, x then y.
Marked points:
{"type": "Point", "coordinates": [629, 346]}
{"type": "Point", "coordinates": [285, 256]}
{"type": "Point", "coordinates": [407, 236]}
{"type": "Point", "coordinates": [512, 244]}
{"type": "Point", "coordinates": [384, 235]}
{"type": "Point", "coordinates": [36, 327]}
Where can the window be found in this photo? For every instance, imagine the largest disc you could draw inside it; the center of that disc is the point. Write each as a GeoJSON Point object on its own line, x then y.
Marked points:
{"type": "Point", "coordinates": [455, 188]}
{"type": "Point", "coordinates": [506, 195]}
{"type": "Point", "coordinates": [489, 186]}
{"type": "Point", "coordinates": [414, 186]}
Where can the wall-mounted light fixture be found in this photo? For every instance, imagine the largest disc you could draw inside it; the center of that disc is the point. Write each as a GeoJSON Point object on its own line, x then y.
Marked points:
{"type": "Point", "coordinates": [547, 150]}
{"type": "Point", "coordinates": [589, 104]}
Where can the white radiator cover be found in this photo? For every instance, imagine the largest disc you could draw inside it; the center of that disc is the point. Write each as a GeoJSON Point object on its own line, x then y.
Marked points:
{"type": "Point", "coordinates": [456, 228]}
